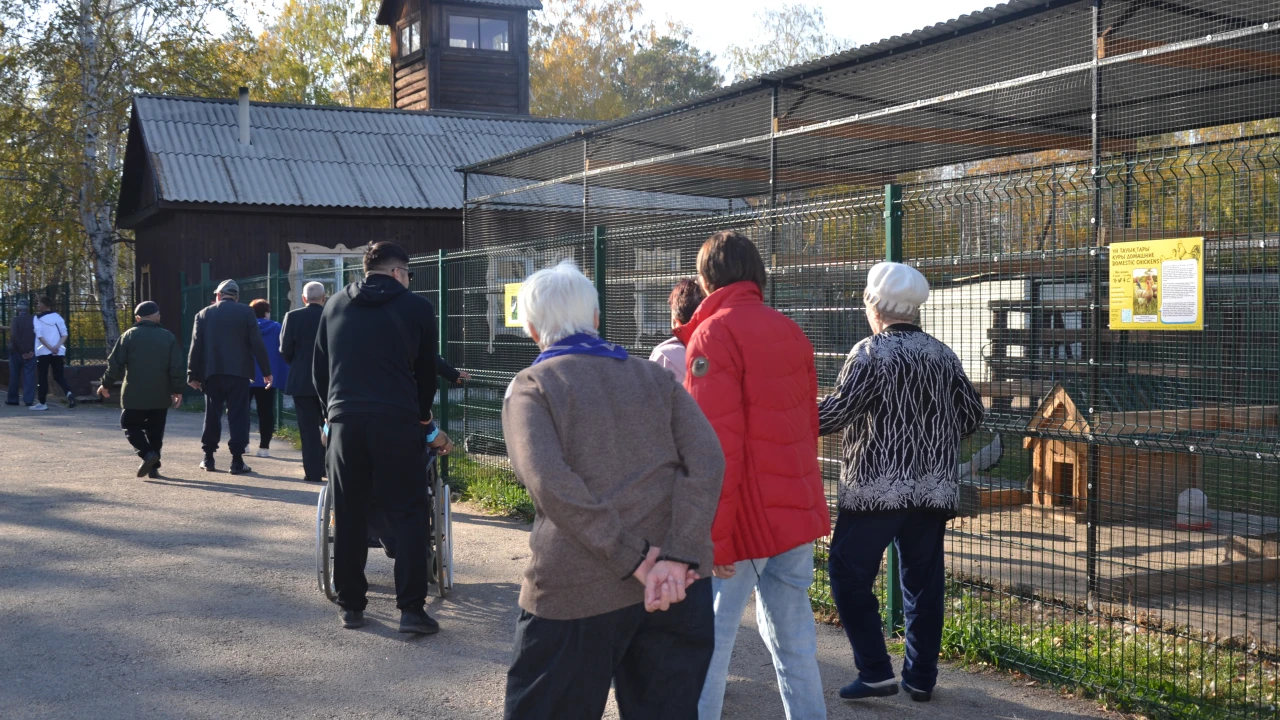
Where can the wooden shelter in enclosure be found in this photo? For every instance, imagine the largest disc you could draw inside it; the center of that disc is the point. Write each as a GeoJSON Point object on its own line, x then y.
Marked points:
{"type": "Point", "coordinates": [1149, 460]}
{"type": "Point", "coordinates": [226, 182]}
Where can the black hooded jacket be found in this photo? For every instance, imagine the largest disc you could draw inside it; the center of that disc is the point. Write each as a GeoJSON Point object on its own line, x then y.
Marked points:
{"type": "Point", "coordinates": [375, 352]}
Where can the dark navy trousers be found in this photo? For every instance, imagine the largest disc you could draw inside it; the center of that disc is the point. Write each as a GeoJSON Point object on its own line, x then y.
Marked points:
{"type": "Point", "coordinates": [856, 549]}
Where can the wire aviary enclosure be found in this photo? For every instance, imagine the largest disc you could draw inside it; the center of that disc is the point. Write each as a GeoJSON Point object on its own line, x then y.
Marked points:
{"type": "Point", "coordinates": [1003, 154]}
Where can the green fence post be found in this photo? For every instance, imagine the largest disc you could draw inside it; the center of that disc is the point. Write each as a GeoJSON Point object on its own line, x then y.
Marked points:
{"type": "Point", "coordinates": [893, 253]}
{"type": "Point", "coordinates": [206, 282]}
{"type": "Point", "coordinates": [277, 313]}
{"type": "Point", "coordinates": [442, 313]}
{"type": "Point", "coordinates": [600, 255]}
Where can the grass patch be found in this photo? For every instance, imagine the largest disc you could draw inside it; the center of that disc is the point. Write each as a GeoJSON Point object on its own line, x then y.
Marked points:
{"type": "Point", "coordinates": [494, 489]}
{"type": "Point", "coordinates": [1127, 666]}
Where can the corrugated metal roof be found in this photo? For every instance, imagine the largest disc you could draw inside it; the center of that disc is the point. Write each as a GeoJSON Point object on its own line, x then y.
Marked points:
{"type": "Point", "coordinates": [324, 157]}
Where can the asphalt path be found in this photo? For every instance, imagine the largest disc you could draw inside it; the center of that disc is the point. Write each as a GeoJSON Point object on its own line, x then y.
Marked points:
{"type": "Point", "coordinates": [194, 596]}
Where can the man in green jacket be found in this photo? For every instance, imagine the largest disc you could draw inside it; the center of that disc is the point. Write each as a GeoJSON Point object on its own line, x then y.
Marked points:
{"type": "Point", "coordinates": [148, 359]}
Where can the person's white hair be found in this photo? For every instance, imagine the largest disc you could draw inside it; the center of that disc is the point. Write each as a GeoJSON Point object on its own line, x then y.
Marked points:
{"type": "Point", "coordinates": [558, 302]}
{"type": "Point", "coordinates": [313, 291]}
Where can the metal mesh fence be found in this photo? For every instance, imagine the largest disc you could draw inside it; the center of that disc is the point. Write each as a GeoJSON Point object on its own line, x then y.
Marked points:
{"type": "Point", "coordinates": [1020, 146]}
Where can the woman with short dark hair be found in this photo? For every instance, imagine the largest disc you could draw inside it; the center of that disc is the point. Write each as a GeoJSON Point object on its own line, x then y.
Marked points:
{"type": "Point", "coordinates": [264, 396]}
{"type": "Point", "coordinates": [685, 298]}
{"type": "Point", "coordinates": [751, 369]}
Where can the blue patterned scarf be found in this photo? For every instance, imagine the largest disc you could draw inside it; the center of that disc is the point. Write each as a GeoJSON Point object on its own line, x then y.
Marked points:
{"type": "Point", "coordinates": [582, 344]}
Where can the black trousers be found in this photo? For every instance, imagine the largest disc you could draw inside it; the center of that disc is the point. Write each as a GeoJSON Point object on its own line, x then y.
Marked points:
{"type": "Point", "coordinates": [657, 662]}
{"type": "Point", "coordinates": [232, 393]}
{"type": "Point", "coordinates": [307, 409]}
{"type": "Point", "coordinates": [44, 363]}
{"type": "Point", "coordinates": [859, 542]}
{"type": "Point", "coordinates": [375, 465]}
{"type": "Point", "coordinates": [144, 429]}
{"type": "Point", "coordinates": [265, 400]}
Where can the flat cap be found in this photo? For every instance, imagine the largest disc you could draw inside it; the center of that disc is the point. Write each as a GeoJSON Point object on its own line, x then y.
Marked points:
{"type": "Point", "coordinates": [229, 287]}
{"type": "Point", "coordinates": [146, 308]}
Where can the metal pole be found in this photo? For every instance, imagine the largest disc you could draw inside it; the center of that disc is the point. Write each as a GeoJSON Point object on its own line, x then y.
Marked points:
{"type": "Point", "coordinates": [600, 255]}
{"type": "Point", "coordinates": [442, 312]}
{"type": "Point", "coordinates": [773, 194]}
{"type": "Point", "coordinates": [893, 567]}
{"type": "Point", "coordinates": [277, 308]}
{"type": "Point", "coordinates": [1095, 336]}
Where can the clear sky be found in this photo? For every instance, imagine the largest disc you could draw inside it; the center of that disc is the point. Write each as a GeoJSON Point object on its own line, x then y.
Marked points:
{"type": "Point", "coordinates": [717, 24]}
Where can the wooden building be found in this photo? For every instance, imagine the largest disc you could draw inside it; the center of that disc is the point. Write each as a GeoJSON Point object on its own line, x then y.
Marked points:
{"type": "Point", "coordinates": [460, 54]}
{"type": "Point", "coordinates": [228, 181]}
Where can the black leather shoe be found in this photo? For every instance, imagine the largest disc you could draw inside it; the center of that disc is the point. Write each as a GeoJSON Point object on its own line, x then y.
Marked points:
{"type": "Point", "coordinates": [154, 474]}
{"type": "Point", "coordinates": [917, 695]}
{"type": "Point", "coordinates": [238, 467]}
{"type": "Point", "coordinates": [207, 464]}
{"type": "Point", "coordinates": [352, 619]}
{"type": "Point", "coordinates": [149, 463]}
{"type": "Point", "coordinates": [417, 621]}
{"type": "Point", "coordinates": [858, 690]}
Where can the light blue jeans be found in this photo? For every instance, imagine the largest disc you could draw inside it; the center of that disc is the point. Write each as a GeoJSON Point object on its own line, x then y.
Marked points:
{"type": "Point", "coordinates": [786, 623]}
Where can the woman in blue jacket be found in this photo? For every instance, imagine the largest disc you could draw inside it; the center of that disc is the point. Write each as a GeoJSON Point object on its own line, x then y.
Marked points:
{"type": "Point", "coordinates": [264, 396]}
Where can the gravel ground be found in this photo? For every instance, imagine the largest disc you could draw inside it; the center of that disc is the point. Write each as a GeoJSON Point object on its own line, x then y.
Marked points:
{"type": "Point", "coordinates": [194, 596]}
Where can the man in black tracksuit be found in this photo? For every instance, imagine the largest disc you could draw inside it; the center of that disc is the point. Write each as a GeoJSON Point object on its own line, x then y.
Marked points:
{"type": "Point", "coordinates": [374, 370]}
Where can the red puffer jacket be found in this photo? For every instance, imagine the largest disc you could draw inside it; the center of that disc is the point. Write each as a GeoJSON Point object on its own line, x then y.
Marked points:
{"type": "Point", "coordinates": [751, 370]}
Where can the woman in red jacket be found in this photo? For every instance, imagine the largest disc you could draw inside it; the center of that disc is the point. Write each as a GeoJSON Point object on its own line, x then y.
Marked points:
{"type": "Point", "coordinates": [751, 370]}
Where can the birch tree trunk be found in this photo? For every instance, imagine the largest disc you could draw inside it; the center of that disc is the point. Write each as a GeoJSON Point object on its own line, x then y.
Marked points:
{"type": "Point", "coordinates": [95, 207]}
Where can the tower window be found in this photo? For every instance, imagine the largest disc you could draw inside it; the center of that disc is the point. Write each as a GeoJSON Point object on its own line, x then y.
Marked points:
{"type": "Point", "coordinates": [476, 33]}
{"type": "Point", "coordinates": [410, 38]}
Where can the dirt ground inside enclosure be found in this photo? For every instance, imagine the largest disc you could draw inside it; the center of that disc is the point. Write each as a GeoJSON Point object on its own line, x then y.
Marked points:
{"type": "Point", "coordinates": [1046, 555]}
{"type": "Point", "coordinates": [194, 596]}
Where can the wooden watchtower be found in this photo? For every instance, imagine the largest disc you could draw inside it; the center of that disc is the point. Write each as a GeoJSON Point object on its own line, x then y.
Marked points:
{"type": "Point", "coordinates": [463, 55]}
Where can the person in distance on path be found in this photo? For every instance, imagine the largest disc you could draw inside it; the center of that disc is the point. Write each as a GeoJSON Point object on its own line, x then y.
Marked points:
{"type": "Point", "coordinates": [263, 394]}
{"type": "Point", "coordinates": [374, 369]}
{"type": "Point", "coordinates": [225, 345]}
{"type": "Point", "coordinates": [624, 472]}
{"type": "Point", "coordinates": [297, 346]}
{"type": "Point", "coordinates": [149, 361]}
{"type": "Point", "coordinates": [22, 356]}
{"type": "Point", "coordinates": [51, 353]}
{"type": "Point", "coordinates": [903, 402]}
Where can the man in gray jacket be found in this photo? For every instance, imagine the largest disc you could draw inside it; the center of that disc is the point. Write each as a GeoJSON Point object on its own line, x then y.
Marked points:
{"type": "Point", "coordinates": [225, 343]}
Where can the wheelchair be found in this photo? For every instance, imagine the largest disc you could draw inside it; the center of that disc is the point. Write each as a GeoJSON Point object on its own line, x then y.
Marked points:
{"type": "Point", "coordinates": [441, 535]}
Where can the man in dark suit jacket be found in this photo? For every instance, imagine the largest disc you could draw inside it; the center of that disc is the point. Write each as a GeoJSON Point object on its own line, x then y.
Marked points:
{"type": "Point", "coordinates": [225, 343]}
{"type": "Point", "coordinates": [297, 346]}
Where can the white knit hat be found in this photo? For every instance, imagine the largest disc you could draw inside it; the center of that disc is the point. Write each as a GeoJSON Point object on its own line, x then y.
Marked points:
{"type": "Point", "coordinates": [895, 290]}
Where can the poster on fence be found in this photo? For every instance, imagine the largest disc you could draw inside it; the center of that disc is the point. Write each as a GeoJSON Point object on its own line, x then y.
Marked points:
{"type": "Point", "coordinates": [1157, 285]}
{"type": "Point", "coordinates": [511, 303]}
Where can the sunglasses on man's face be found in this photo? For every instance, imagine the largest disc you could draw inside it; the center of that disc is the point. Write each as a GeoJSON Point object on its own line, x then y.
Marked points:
{"type": "Point", "coordinates": [407, 272]}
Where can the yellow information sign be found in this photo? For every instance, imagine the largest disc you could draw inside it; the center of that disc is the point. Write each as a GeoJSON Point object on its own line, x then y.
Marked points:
{"type": "Point", "coordinates": [1157, 285]}
{"type": "Point", "coordinates": [511, 303]}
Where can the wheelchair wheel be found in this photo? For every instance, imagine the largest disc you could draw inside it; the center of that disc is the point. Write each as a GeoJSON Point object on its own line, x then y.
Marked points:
{"type": "Point", "coordinates": [442, 555]}
{"type": "Point", "coordinates": [324, 543]}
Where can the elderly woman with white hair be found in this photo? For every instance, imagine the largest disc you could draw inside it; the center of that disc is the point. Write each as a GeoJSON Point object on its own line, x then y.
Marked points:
{"type": "Point", "coordinates": [903, 403]}
{"type": "Point", "coordinates": [625, 474]}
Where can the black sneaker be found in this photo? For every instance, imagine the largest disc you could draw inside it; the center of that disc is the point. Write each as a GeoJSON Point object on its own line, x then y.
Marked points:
{"type": "Point", "coordinates": [238, 467]}
{"type": "Point", "coordinates": [71, 400]}
{"type": "Point", "coordinates": [154, 474]}
{"type": "Point", "coordinates": [917, 695]}
{"type": "Point", "coordinates": [149, 464]}
{"type": "Point", "coordinates": [858, 690]}
{"type": "Point", "coordinates": [417, 621]}
{"type": "Point", "coordinates": [352, 619]}
{"type": "Point", "coordinates": [207, 464]}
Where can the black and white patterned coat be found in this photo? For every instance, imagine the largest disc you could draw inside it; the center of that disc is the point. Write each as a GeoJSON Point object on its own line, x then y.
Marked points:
{"type": "Point", "coordinates": [904, 403]}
